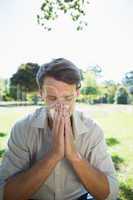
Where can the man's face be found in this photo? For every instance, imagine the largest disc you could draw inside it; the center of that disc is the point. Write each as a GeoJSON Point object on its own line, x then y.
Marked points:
{"type": "Point", "coordinates": [56, 92]}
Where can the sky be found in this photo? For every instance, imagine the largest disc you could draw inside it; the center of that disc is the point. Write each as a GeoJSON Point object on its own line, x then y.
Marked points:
{"type": "Point", "coordinates": [106, 41]}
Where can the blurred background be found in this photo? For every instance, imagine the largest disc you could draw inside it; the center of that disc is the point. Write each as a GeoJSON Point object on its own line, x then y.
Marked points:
{"type": "Point", "coordinates": [97, 37]}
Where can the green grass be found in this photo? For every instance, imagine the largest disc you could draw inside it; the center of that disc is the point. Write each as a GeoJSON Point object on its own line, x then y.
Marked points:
{"type": "Point", "coordinates": [117, 123]}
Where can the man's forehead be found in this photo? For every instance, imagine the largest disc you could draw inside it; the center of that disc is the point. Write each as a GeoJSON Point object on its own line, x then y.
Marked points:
{"type": "Point", "coordinates": [53, 90]}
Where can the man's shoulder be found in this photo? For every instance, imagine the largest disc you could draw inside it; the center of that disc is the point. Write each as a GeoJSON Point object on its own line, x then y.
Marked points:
{"type": "Point", "coordinates": [27, 120]}
{"type": "Point", "coordinates": [23, 129]}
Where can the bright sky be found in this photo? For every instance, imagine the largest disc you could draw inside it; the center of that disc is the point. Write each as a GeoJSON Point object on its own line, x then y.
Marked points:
{"type": "Point", "coordinates": [107, 41]}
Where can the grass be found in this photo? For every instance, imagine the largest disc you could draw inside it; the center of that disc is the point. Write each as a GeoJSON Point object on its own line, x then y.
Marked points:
{"type": "Point", "coordinates": [117, 123]}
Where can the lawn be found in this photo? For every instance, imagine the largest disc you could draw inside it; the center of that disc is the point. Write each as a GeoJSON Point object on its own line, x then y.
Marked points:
{"type": "Point", "coordinates": [117, 123]}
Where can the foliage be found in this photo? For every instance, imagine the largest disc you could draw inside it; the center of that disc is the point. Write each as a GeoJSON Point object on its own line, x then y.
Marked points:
{"type": "Point", "coordinates": [109, 89]}
{"type": "Point", "coordinates": [89, 79]}
{"type": "Point", "coordinates": [81, 98]}
{"type": "Point", "coordinates": [121, 96]}
{"type": "Point", "coordinates": [33, 98]}
{"type": "Point", "coordinates": [3, 88]}
{"type": "Point", "coordinates": [89, 89]}
{"type": "Point", "coordinates": [8, 97]}
{"type": "Point", "coordinates": [128, 78]}
{"type": "Point", "coordinates": [25, 77]}
{"type": "Point", "coordinates": [128, 82]}
{"type": "Point", "coordinates": [50, 11]}
{"type": "Point", "coordinates": [23, 81]}
{"type": "Point", "coordinates": [130, 89]}
{"type": "Point", "coordinates": [13, 92]}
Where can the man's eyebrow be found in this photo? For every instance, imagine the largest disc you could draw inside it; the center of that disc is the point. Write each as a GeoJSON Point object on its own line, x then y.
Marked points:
{"type": "Point", "coordinates": [69, 95]}
{"type": "Point", "coordinates": [51, 96]}
{"type": "Point", "coordinates": [64, 96]}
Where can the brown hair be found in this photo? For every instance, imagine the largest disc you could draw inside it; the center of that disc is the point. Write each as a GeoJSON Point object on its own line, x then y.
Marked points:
{"type": "Point", "coordinates": [60, 69]}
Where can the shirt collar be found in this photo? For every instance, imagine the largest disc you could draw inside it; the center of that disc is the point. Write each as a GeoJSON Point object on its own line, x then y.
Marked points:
{"type": "Point", "coordinates": [40, 120]}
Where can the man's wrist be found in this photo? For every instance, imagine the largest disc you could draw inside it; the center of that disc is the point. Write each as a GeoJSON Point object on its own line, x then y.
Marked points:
{"type": "Point", "coordinates": [54, 156]}
{"type": "Point", "coordinates": [76, 157]}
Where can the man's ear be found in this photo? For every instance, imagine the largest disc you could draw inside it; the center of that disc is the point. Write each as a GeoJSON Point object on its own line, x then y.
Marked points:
{"type": "Point", "coordinates": [78, 92]}
{"type": "Point", "coordinates": [40, 93]}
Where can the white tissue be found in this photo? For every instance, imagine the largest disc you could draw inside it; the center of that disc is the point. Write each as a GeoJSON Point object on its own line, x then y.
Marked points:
{"type": "Point", "coordinates": [52, 111]}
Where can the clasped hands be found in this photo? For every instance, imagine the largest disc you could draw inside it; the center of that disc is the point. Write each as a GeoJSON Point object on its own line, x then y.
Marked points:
{"type": "Point", "coordinates": [63, 144]}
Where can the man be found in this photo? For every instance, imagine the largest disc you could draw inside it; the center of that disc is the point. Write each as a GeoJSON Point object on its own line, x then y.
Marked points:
{"type": "Point", "coordinates": [57, 153]}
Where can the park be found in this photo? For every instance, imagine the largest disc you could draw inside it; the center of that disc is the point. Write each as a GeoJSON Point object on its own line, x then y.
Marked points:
{"type": "Point", "coordinates": [97, 37]}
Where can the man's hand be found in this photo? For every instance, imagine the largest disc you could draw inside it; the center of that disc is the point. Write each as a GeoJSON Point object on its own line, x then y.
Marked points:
{"type": "Point", "coordinates": [63, 143]}
{"type": "Point", "coordinates": [58, 132]}
{"type": "Point", "coordinates": [70, 148]}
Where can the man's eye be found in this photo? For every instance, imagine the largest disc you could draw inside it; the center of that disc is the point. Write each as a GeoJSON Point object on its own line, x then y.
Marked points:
{"type": "Point", "coordinates": [69, 98]}
{"type": "Point", "coordinates": [52, 98]}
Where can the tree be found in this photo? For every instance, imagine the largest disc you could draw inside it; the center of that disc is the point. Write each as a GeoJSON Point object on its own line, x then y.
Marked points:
{"type": "Point", "coordinates": [90, 89]}
{"type": "Point", "coordinates": [128, 82]}
{"type": "Point", "coordinates": [51, 9]}
{"type": "Point", "coordinates": [3, 88]}
{"type": "Point", "coordinates": [128, 78]}
{"type": "Point", "coordinates": [121, 96]}
{"type": "Point", "coordinates": [109, 89]}
{"type": "Point", "coordinates": [24, 80]}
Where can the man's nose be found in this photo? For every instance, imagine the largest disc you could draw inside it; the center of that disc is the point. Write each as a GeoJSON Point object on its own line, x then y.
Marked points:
{"type": "Point", "coordinates": [60, 101]}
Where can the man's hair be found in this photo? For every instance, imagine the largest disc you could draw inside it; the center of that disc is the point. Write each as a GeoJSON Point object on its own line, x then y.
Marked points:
{"type": "Point", "coordinates": [61, 70]}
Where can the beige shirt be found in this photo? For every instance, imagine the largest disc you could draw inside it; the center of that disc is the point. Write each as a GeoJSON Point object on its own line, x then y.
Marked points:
{"type": "Point", "coordinates": [31, 139]}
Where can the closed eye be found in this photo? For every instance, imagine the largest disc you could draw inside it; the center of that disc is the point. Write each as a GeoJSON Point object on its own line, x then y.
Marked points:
{"type": "Point", "coordinates": [69, 98]}
{"type": "Point", "coordinates": [52, 98]}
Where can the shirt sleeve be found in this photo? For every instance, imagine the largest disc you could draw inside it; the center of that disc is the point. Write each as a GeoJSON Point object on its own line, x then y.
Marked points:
{"type": "Point", "coordinates": [101, 159]}
{"type": "Point", "coordinates": [16, 157]}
